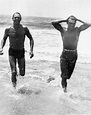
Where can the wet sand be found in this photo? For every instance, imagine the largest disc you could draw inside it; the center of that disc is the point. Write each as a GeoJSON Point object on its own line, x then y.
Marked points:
{"type": "Point", "coordinates": [34, 95]}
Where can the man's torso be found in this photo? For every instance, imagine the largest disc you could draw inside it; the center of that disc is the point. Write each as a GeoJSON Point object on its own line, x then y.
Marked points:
{"type": "Point", "coordinates": [16, 37]}
{"type": "Point", "coordinates": [70, 39]}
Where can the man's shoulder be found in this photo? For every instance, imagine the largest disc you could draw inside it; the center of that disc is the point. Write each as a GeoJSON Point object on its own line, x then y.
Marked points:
{"type": "Point", "coordinates": [7, 30]}
{"type": "Point", "coordinates": [10, 28]}
{"type": "Point", "coordinates": [26, 28]}
{"type": "Point", "coordinates": [77, 29]}
{"type": "Point", "coordinates": [65, 28]}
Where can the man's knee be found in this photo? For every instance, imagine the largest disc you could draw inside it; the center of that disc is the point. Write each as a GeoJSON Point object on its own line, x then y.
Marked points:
{"type": "Point", "coordinates": [14, 73]}
{"type": "Point", "coordinates": [22, 71]}
{"type": "Point", "coordinates": [22, 74]}
{"type": "Point", "coordinates": [64, 75]}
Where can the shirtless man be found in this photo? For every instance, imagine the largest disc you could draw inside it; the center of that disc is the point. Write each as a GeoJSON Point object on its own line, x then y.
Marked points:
{"type": "Point", "coordinates": [16, 35]}
{"type": "Point", "coordinates": [70, 37]}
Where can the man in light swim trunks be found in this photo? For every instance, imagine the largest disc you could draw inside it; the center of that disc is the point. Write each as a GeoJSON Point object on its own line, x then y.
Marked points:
{"type": "Point", "coordinates": [16, 34]}
{"type": "Point", "coordinates": [70, 37]}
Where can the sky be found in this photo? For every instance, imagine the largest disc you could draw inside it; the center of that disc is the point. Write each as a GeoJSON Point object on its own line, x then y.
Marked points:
{"type": "Point", "coordinates": [48, 8]}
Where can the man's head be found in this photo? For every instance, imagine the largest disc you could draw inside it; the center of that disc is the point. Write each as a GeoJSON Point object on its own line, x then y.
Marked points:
{"type": "Point", "coordinates": [16, 17]}
{"type": "Point", "coordinates": [71, 21]}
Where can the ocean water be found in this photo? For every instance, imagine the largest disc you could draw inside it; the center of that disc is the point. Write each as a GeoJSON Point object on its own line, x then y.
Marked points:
{"type": "Point", "coordinates": [48, 42]}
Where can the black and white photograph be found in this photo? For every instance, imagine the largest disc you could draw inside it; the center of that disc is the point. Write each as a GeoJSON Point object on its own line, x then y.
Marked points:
{"type": "Point", "coordinates": [45, 57]}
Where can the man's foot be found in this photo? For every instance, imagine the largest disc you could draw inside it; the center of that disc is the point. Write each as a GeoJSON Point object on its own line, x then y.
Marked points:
{"type": "Point", "coordinates": [14, 84]}
{"type": "Point", "coordinates": [65, 90]}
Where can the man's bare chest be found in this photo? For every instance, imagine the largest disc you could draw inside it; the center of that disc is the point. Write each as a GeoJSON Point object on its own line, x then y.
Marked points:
{"type": "Point", "coordinates": [16, 33]}
{"type": "Point", "coordinates": [70, 36]}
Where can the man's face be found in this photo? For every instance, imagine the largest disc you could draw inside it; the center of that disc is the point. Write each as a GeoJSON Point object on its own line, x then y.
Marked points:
{"type": "Point", "coordinates": [71, 23]}
{"type": "Point", "coordinates": [16, 18]}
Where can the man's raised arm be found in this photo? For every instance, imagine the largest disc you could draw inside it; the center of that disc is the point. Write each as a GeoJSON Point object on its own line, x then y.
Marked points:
{"type": "Point", "coordinates": [57, 24]}
{"type": "Point", "coordinates": [84, 26]}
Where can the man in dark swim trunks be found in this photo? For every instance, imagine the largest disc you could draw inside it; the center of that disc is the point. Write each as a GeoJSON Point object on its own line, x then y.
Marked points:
{"type": "Point", "coordinates": [16, 35]}
{"type": "Point", "coordinates": [70, 37]}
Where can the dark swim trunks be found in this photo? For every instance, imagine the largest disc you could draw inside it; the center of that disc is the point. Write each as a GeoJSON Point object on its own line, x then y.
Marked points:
{"type": "Point", "coordinates": [67, 63]}
{"type": "Point", "coordinates": [17, 53]}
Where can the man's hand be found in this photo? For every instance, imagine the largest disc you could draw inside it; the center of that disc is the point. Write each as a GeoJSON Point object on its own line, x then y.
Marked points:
{"type": "Point", "coordinates": [1, 51]}
{"type": "Point", "coordinates": [31, 54]}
